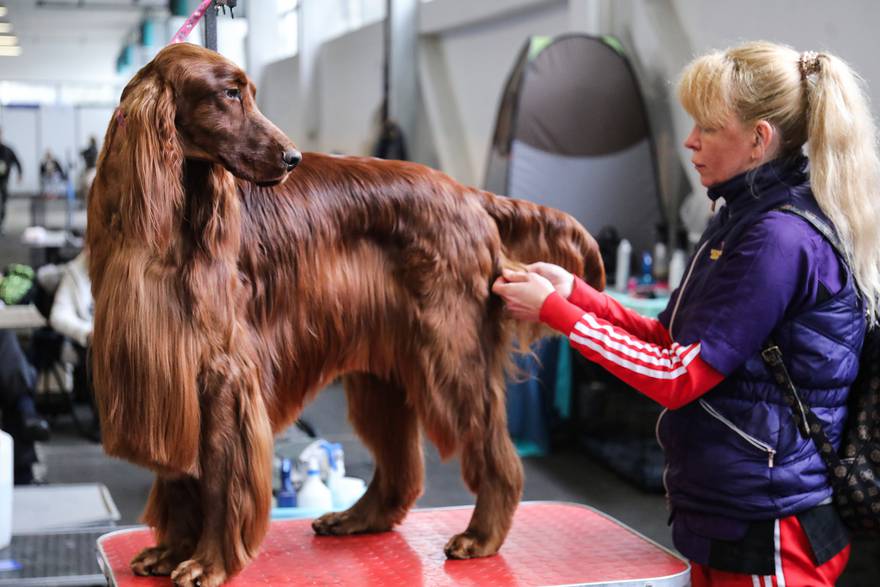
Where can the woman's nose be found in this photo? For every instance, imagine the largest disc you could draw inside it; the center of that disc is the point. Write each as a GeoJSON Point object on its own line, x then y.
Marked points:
{"type": "Point", "coordinates": [692, 141]}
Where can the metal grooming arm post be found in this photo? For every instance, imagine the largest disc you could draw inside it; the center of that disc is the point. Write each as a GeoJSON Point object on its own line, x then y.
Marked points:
{"type": "Point", "coordinates": [211, 27]}
{"type": "Point", "coordinates": [211, 20]}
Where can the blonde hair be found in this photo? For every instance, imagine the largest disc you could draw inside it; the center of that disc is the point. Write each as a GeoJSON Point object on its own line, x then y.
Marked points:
{"type": "Point", "coordinates": [814, 99]}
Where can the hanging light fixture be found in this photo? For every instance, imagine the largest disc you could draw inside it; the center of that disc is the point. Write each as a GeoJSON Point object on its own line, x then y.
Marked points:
{"type": "Point", "coordinates": [9, 46]}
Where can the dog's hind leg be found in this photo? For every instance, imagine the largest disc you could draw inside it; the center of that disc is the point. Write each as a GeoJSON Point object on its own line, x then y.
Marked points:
{"type": "Point", "coordinates": [389, 427]}
{"type": "Point", "coordinates": [235, 475]}
{"type": "Point", "coordinates": [174, 511]}
{"type": "Point", "coordinates": [492, 469]}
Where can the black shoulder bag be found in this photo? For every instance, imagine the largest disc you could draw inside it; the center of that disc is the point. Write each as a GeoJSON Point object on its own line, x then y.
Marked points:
{"type": "Point", "coordinates": [855, 472]}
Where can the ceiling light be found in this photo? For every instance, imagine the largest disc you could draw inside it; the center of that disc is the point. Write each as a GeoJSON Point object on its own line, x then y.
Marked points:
{"type": "Point", "coordinates": [5, 27]}
{"type": "Point", "coordinates": [2, 11]}
{"type": "Point", "coordinates": [10, 51]}
{"type": "Point", "coordinates": [8, 41]}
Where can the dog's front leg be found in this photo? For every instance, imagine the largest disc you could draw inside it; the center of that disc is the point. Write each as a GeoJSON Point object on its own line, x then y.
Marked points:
{"type": "Point", "coordinates": [174, 511]}
{"type": "Point", "coordinates": [235, 474]}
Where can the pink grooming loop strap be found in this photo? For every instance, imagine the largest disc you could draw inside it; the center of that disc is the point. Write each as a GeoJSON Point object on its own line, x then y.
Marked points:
{"type": "Point", "coordinates": [190, 23]}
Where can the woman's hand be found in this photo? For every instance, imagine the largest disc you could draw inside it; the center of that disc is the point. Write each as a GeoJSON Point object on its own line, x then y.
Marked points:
{"type": "Point", "coordinates": [523, 293]}
{"type": "Point", "coordinates": [562, 280]}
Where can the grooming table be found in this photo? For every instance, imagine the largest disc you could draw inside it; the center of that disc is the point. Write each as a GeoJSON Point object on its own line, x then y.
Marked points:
{"type": "Point", "coordinates": [551, 543]}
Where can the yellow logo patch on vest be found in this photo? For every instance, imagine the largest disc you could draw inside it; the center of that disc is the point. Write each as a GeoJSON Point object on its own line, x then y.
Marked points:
{"type": "Point", "coordinates": [714, 254]}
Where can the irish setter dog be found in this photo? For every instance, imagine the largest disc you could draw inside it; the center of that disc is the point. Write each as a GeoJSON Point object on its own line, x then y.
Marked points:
{"type": "Point", "coordinates": [227, 294]}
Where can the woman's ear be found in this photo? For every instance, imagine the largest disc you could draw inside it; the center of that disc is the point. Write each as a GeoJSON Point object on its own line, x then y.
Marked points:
{"type": "Point", "coordinates": [766, 143]}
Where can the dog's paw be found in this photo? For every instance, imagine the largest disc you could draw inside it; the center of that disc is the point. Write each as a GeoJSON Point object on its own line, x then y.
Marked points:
{"type": "Point", "coordinates": [466, 545]}
{"type": "Point", "coordinates": [156, 560]}
{"type": "Point", "coordinates": [347, 522]}
{"type": "Point", "coordinates": [192, 573]}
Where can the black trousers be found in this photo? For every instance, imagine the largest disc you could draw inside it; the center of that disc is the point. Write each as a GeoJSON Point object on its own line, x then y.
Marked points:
{"type": "Point", "coordinates": [4, 195]}
{"type": "Point", "coordinates": [17, 381]}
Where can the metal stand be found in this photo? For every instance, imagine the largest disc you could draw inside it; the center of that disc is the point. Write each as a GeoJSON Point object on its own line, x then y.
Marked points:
{"type": "Point", "coordinates": [211, 20]}
{"type": "Point", "coordinates": [211, 27]}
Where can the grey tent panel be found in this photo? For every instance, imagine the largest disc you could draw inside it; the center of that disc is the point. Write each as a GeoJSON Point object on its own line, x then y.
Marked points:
{"type": "Point", "coordinates": [580, 99]}
{"type": "Point", "coordinates": [589, 188]}
{"type": "Point", "coordinates": [572, 133]}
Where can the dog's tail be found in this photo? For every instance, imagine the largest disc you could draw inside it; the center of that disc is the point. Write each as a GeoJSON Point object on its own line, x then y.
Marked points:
{"type": "Point", "coordinates": [530, 232]}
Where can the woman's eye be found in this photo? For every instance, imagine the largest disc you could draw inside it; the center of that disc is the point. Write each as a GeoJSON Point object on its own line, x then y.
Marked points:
{"type": "Point", "coordinates": [233, 93]}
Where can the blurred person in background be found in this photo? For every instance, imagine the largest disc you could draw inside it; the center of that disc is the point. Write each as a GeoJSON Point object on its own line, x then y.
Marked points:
{"type": "Point", "coordinates": [73, 316]}
{"type": "Point", "coordinates": [20, 418]}
{"type": "Point", "coordinates": [8, 160]}
{"type": "Point", "coordinates": [90, 160]}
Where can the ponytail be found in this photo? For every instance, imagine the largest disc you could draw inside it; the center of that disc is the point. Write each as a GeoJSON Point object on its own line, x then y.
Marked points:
{"type": "Point", "coordinates": [844, 164]}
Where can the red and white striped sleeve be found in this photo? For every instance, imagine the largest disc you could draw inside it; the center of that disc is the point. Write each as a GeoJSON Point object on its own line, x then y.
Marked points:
{"type": "Point", "coordinates": [607, 308]}
{"type": "Point", "coordinates": [650, 361]}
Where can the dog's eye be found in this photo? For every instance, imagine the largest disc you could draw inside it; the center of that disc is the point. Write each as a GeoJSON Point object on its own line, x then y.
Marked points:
{"type": "Point", "coordinates": [233, 93]}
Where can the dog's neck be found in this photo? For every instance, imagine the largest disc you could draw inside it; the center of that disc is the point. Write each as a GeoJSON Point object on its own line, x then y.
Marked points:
{"type": "Point", "coordinates": [210, 219]}
{"type": "Point", "coordinates": [195, 174]}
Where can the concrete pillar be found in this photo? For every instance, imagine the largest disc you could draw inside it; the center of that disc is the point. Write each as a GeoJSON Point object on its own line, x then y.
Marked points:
{"type": "Point", "coordinates": [403, 77]}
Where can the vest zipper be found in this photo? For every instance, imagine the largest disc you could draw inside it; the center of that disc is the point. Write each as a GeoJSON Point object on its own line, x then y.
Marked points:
{"type": "Point", "coordinates": [771, 453]}
{"type": "Point", "coordinates": [665, 466]}
{"type": "Point", "coordinates": [671, 322]}
{"type": "Point", "coordinates": [683, 286]}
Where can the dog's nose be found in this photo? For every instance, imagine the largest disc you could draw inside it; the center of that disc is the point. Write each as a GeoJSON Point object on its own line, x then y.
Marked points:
{"type": "Point", "coordinates": [291, 157]}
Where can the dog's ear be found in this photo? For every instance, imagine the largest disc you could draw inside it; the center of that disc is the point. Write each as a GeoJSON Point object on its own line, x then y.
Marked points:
{"type": "Point", "coordinates": [153, 197]}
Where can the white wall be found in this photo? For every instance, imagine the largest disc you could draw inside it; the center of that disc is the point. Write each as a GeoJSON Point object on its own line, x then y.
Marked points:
{"type": "Point", "coordinates": [847, 29]}
{"type": "Point", "coordinates": [349, 76]}
{"type": "Point", "coordinates": [278, 98]}
{"type": "Point", "coordinates": [67, 61]}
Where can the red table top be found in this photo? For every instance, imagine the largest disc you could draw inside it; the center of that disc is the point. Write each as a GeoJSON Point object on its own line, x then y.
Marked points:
{"type": "Point", "coordinates": [550, 543]}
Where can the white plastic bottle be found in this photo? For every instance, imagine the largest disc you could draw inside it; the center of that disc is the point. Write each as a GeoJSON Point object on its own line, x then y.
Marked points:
{"type": "Point", "coordinates": [624, 258]}
{"type": "Point", "coordinates": [335, 477]}
{"type": "Point", "coordinates": [5, 489]}
{"type": "Point", "coordinates": [345, 490]}
{"type": "Point", "coordinates": [313, 494]}
{"type": "Point", "coordinates": [661, 262]}
{"type": "Point", "coordinates": [676, 268]}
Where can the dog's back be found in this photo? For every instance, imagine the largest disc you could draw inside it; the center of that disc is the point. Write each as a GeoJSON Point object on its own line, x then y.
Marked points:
{"type": "Point", "coordinates": [358, 264]}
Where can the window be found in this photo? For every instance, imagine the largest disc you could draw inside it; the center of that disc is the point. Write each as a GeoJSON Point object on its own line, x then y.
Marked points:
{"type": "Point", "coordinates": [61, 93]}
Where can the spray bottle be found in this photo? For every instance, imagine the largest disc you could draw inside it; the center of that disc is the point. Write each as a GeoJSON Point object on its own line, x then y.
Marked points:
{"type": "Point", "coordinates": [314, 494]}
{"type": "Point", "coordinates": [286, 495]}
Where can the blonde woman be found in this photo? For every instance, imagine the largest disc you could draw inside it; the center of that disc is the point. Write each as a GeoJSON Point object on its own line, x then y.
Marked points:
{"type": "Point", "coordinates": [749, 495]}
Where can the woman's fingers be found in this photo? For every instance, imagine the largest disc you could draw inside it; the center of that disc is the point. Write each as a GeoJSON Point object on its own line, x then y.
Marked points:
{"type": "Point", "coordinates": [514, 276]}
{"type": "Point", "coordinates": [539, 267]}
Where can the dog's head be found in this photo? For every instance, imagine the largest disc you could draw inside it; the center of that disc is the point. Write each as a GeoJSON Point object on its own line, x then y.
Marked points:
{"type": "Point", "coordinates": [195, 102]}
{"type": "Point", "coordinates": [188, 103]}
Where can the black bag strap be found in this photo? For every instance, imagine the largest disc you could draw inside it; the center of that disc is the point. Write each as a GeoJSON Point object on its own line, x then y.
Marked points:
{"type": "Point", "coordinates": [819, 224]}
{"type": "Point", "coordinates": [807, 422]}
